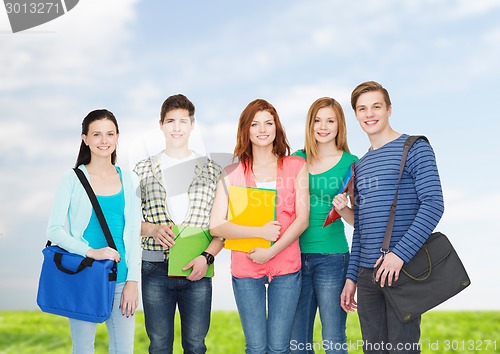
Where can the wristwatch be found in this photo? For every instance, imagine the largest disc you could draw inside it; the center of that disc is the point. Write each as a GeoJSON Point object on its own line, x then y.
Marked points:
{"type": "Point", "coordinates": [209, 257]}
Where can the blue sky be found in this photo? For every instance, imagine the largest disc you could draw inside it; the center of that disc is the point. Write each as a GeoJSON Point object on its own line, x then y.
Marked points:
{"type": "Point", "coordinates": [438, 59]}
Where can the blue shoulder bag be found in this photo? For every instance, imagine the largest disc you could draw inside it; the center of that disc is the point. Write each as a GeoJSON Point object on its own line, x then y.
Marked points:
{"type": "Point", "coordinates": [74, 286]}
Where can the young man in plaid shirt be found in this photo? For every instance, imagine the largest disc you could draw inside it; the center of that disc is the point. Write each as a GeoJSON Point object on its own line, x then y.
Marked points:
{"type": "Point", "coordinates": [177, 187]}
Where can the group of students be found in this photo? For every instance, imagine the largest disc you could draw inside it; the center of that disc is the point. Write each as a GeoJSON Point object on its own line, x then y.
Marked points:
{"type": "Point", "coordinates": [308, 267]}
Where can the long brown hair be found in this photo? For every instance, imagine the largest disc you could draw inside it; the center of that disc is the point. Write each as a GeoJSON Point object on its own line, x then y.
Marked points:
{"type": "Point", "coordinates": [311, 145]}
{"type": "Point", "coordinates": [84, 155]}
{"type": "Point", "coordinates": [243, 148]}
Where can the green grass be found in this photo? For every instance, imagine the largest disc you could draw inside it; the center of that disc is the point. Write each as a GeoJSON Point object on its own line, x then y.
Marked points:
{"type": "Point", "coordinates": [442, 332]}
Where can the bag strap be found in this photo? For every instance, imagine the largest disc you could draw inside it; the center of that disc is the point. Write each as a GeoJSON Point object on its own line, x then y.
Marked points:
{"type": "Point", "coordinates": [85, 263]}
{"type": "Point", "coordinates": [390, 223]}
{"type": "Point", "coordinates": [97, 207]}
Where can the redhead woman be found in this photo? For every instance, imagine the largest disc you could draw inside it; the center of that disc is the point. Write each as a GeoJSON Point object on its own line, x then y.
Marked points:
{"type": "Point", "coordinates": [262, 150]}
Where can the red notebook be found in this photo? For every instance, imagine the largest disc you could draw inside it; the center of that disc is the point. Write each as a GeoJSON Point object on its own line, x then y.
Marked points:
{"type": "Point", "coordinates": [333, 215]}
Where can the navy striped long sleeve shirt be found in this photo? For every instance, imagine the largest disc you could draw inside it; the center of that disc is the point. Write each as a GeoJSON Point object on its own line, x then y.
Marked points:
{"type": "Point", "coordinates": [419, 208]}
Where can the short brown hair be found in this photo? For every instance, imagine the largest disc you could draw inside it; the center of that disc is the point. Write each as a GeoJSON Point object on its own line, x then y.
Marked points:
{"type": "Point", "coordinates": [243, 148]}
{"type": "Point", "coordinates": [178, 101]}
{"type": "Point", "coordinates": [369, 86]}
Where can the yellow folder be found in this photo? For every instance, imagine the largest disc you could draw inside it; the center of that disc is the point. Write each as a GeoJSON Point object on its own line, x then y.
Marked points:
{"type": "Point", "coordinates": [189, 244]}
{"type": "Point", "coordinates": [250, 206]}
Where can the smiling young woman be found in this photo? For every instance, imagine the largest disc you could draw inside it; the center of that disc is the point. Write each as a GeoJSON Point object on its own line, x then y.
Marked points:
{"type": "Point", "coordinates": [115, 190]}
{"type": "Point", "coordinates": [324, 250]}
{"type": "Point", "coordinates": [262, 150]}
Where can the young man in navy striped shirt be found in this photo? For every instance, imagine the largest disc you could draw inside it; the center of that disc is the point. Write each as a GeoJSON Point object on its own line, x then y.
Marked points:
{"type": "Point", "coordinates": [419, 209]}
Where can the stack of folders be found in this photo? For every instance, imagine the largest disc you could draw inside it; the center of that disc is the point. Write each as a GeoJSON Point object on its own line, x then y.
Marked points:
{"type": "Point", "coordinates": [249, 206]}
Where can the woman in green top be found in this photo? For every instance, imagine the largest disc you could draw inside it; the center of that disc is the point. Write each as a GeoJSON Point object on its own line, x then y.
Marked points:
{"type": "Point", "coordinates": [325, 252]}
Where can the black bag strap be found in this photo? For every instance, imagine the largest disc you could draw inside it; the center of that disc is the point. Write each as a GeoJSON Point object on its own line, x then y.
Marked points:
{"type": "Point", "coordinates": [390, 224]}
{"type": "Point", "coordinates": [86, 262]}
{"type": "Point", "coordinates": [97, 207]}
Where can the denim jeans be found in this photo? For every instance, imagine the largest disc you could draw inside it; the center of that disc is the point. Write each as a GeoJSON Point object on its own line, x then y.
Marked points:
{"type": "Point", "coordinates": [120, 330]}
{"type": "Point", "coordinates": [323, 278]}
{"type": "Point", "coordinates": [379, 323]}
{"type": "Point", "coordinates": [160, 296]}
{"type": "Point", "coordinates": [271, 335]}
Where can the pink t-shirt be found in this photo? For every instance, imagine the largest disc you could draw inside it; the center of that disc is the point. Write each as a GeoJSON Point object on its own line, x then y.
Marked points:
{"type": "Point", "coordinates": [288, 260]}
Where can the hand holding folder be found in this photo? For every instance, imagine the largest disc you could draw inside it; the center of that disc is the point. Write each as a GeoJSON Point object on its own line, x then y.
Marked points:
{"type": "Point", "coordinates": [249, 206]}
{"type": "Point", "coordinates": [189, 244]}
{"type": "Point", "coordinates": [333, 214]}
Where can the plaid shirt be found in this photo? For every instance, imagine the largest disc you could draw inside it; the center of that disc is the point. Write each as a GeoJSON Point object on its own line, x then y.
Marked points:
{"type": "Point", "coordinates": [201, 194]}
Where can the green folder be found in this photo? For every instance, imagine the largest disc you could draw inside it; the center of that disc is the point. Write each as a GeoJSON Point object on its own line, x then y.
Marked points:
{"type": "Point", "coordinates": [190, 242]}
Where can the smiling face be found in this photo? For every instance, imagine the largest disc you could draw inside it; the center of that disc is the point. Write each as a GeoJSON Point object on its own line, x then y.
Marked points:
{"type": "Point", "coordinates": [101, 138]}
{"type": "Point", "coordinates": [262, 129]}
{"type": "Point", "coordinates": [373, 113]}
{"type": "Point", "coordinates": [325, 126]}
{"type": "Point", "coordinates": [177, 127]}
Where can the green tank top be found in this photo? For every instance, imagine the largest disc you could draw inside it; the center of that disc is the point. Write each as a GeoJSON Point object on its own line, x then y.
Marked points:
{"type": "Point", "coordinates": [323, 187]}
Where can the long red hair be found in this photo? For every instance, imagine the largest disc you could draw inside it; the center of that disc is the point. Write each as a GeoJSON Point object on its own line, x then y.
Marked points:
{"type": "Point", "coordinates": [243, 148]}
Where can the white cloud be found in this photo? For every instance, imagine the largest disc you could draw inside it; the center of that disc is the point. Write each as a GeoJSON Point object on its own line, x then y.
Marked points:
{"type": "Point", "coordinates": [463, 60]}
{"type": "Point", "coordinates": [466, 8]}
{"type": "Point", "coordinates": [219, 137]}
{"type": "Point", "coordinates": [243, 51]}
{"type": "Point", "coordinates": [472, 208]}
{"type": "Point", "coordinates": [48, 72]}
{"type": "Point", "coordinates": [38, 201]}
{"type": "Point", "coordinates": [305, 36]}
{"type": "Point", "coordinates": [238, 52]}
{"type": "Point", "coordinates": [145, 97]}
{"type": "Point", "coordinates": [484, 62]}
{"type": "Point", "coordinates": [295, 100]}
{"type": "Point", "coordinates": [68, 49]}
{"type": "Point", "coordinates": [492, 37]}
{"type": "Point", "coordinates": [10, 133]}
{"type": "Point", "coordinates": [28, 140]}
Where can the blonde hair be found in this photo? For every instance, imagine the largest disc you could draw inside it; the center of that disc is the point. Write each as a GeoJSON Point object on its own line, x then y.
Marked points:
{"type": "Point", "coordinates": [311, 145]}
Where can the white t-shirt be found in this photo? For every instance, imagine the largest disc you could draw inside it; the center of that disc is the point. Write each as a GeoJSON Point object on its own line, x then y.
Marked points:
{"type": "Point", "coordinates": [266, 185]}
{"type": "Point", "coordinates": [177, 176]}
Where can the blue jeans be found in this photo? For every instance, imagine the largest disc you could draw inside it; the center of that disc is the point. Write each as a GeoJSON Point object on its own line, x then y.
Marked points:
{"type": "Point", "coordinates": [161, 295]}
{"type": "Point", "coordinates": [379, 323]}
{"type": "Point", "coordinates": [323, 278]}
{"type": "Point", "coordinates": [120, 330]}
{"type": "Point", "coordinates": [271, 335]}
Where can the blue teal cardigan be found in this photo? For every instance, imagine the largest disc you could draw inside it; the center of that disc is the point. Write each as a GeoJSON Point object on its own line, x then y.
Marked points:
{"type": "Point", "coordinates": [72, 204]}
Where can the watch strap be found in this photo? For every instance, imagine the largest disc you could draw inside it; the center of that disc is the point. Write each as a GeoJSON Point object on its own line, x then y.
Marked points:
{"type": "Point", "coordinates": [209, 257]}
